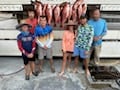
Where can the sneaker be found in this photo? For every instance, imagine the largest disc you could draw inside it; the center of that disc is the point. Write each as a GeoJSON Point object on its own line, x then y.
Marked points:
{"type": "Point", "coordinates": [52, 69]}
{"type": "Point", "coordinates": [35, 73]}
{"type": "Point", "coordinates": [27, 77]}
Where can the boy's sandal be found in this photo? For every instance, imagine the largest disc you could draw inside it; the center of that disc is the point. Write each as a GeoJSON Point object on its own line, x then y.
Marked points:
{"type": "Point", "coordinates": [53, 70]}
{"type": "Point", "coordinates": [41, 71]}
{"type": "Point", "coordinates": [69, 70]}
{"type": "Point", "coordinates": [35, 73]}
{"type": "Point", "coordinates": [75, 71]}
{"type": "Point", "coordinates": [27, 77]}
{"type": "Point", "coordinates": [61, 76]}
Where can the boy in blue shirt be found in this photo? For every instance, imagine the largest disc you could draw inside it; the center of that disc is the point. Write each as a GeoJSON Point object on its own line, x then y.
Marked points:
{"type": "Point", "coordinates": [100, 29]}
{"type": "Point", "coordinates": [26, 44]}
{"type": "Point", "coordinates": [44, 39]}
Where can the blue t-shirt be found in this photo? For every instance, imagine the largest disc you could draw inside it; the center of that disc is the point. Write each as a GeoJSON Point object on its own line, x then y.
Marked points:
{"type": "Point", "coordinates": [26, 41]}
{"type": "Point", "coordinates": [40, 31]}
{"type": "Point", "coordinates": [100, 29]}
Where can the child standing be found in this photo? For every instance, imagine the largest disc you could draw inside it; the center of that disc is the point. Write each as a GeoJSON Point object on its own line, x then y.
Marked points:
{"type": "Point", "coordinates": [67, 46]}
{"type": "Point", "coordinates": [44, 39]}
{"type": "Point", "coordinates": [32, 20]}
{"type": "Point", "coordinates": [83, 43]}
{"type": "Point", "coordinates": [26, 44]}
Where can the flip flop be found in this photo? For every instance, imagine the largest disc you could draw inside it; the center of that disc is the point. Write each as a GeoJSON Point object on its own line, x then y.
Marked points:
{"type": "Point", "coordinates": [75, 71]}
{"type": "Point", "coordinates": [61, 76]}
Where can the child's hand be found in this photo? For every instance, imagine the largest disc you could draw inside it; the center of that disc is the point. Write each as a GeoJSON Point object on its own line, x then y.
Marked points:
{"type": "Point", "coordinates": [96, 38]}
{"type": "Point", "coordinates": [86, 52]}
{"type": "Point", "coordinates": [45, 47]}
{"type": "Point", "coordinates": [30, 55]}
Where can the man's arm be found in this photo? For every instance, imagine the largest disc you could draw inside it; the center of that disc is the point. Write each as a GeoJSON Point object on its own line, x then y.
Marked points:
{"type": "Point", "coordinates": [51, 37]}
{"type": "Point", "coordinates": [36, 39]}
{"type": "Point", "coordinates": [103, 33]}
{"type": "Point", "coordinates": [39, 42]}
{"type": "Point", "coordinates": [104, 30]}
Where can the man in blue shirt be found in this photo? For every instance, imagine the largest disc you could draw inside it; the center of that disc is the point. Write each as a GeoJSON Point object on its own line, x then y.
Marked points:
{"type": "Point", "coordinates": [100, 29]}
{"type": "Point", "coordinates": [44, 40]}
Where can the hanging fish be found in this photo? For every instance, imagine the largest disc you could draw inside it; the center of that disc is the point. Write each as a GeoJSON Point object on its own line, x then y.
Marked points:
{"type": "Point", "coordinates": [79, 11]}
{"type": "Point", "coordinates": [74, 13]}
{"type": "Point", "coordinates": [49, 13]}
{"type": "Point", "coordinates": [65, 14]}
{"type": "Point", "coordinates": [77, 3]}
{"type": "Point", "coordinates": [44, 8]}
{"type": "Point", "coordinates": [70, 13]}
{"type": "Point", "coordinates": [84, 9]}
{"type": "Point", "coordinates": [38, 8]}
{"type": "Point", "coordinates": [56, 13]}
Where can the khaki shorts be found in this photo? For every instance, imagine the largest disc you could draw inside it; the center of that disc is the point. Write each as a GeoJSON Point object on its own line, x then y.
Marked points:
{"type": "Point", "coordinates": [44, 52]}
{"type": "Point", "coordinates": [95, 53]}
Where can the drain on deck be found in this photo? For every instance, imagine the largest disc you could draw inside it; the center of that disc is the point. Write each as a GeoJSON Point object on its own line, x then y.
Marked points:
{"type": "Point", "coordinates": [104, 75]}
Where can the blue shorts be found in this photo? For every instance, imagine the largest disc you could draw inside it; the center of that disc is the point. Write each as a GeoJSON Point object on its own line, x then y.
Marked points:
{"type": "Point", "coordinates": [80, 52]}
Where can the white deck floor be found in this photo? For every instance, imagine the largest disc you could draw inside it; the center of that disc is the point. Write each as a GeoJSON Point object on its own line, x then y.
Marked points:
{"type": "Point", "coordinates": [45, 80]}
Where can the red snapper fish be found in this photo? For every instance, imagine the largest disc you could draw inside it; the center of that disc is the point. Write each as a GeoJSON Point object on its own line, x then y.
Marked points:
{"type": "Point", "coordinates": [84, 8]}
{"type": "Point", "coordinates": [49, 13]}
{"type": "Point", "coordinates": [65, 13]}
{"type": "Point", "coordinates": [77, 3]}
{"type": "Point", "coordinates": [38, 8]}
{"type": "Point", "coordinates": [79, 11]}
{"type": "Point", "coordinates": [70, 13]}
{"type": "Point", "coordinates": [56, 13]}
{"type": "Point", "coordinates": [74, 13]}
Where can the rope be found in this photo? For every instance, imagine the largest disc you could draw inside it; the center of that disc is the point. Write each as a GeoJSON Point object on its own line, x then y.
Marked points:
{"type": "Point", "coordinates": [12, 73]}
